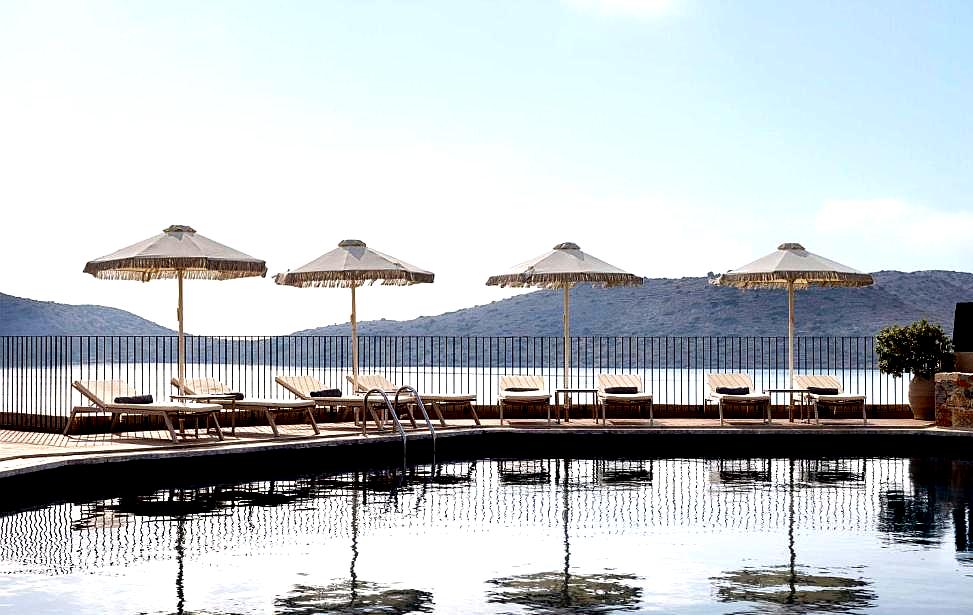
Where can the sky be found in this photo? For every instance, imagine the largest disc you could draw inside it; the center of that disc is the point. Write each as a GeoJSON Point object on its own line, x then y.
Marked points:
{"type": "Point", "coordinates": [670, 138]}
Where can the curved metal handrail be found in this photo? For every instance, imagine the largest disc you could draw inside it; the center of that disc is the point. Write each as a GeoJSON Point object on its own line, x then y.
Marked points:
{"type": "Point", "coordinates": [371, 411]}
{"type": "Point", "coordinates": [422, 408]}
{"type": "Point", "coordinates": [395, 419]}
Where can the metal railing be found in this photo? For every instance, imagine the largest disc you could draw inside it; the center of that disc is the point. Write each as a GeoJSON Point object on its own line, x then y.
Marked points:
{"type": "Point", "coordinates": [36, 372]}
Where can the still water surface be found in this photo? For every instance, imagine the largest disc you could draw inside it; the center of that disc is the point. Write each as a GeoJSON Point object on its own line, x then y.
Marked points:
{"type": "Point", "coordinates": [515, 536]}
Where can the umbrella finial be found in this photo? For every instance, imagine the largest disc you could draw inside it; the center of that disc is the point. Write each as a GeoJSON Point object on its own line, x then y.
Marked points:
{"type": "Point", "coordinates": [179, 228]}
{"type": "Point", "coordinates": [790, 246]}
{"type": "Point", "coordinates": [351, 243]}
{"type": "Point", "coordinates": [567, 245]}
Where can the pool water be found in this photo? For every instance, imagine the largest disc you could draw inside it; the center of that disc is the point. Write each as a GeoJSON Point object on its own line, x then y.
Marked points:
{"type": "Point", "coordinates": [515, 536]}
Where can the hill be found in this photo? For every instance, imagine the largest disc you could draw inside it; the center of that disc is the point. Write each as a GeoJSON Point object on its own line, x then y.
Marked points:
{"type": "Point", "coordinates": [691, 306]}
{"type": "Point", "coordinates": [19, 316]}
{"type": "Point", "coordinates": [684, 306]}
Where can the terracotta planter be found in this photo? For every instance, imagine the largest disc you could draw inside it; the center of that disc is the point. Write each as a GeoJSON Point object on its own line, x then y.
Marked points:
{"type": "Point", "coordinates": [922, 398]}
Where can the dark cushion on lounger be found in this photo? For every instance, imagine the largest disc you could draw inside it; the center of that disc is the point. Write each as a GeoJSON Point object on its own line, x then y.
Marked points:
{"type": "Point", "coordinates": [326, 393]}
{"type": "Point", "coordinates": [521, 389]}
{"type": "Point", "coordinates": [134, 399]}
{"type": "Point", "coordinates": [236, 396]}
{"type": "Point", "coordinates": [622, 390]}
{"type": "Point", "coordinates": [822, 391]}
{"type": "Point", "coordinates": [733, 390]}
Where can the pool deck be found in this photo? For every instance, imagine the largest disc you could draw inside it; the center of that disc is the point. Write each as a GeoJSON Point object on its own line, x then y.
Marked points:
{"type": "Point", "coordinates": [22, 453]}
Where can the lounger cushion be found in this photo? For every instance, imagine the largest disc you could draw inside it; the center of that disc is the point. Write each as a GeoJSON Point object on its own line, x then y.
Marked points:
{"type": "Point", "coordinates": [622, 390]}
{"type": "Point", "coordinates": [525, 397]}
{"type": "Point", "coordinates": [822, 391]}
{"type": "Point", "coordinates": [521, 389]}
{"type": "Point", "coordinates": [237, 396]}
{"type": "Point", "coordinates": [733, 390]}
{"type": "Point", "coordinates": [449, 397]}
{"type": "Point", "coordinates": [134, 399]}
{"type": "Point", "coordinates": [326, 393]}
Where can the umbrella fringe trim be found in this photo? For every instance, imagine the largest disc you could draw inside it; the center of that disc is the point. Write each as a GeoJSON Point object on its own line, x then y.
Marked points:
{"type": "Point", "coordinates": [560, 280]}
{"type": "Point", "coordinates": [801, 279]}
{"type": "Point", "coordinates": [345, 279]}
{"type": "Point", "coordinates": [145, 269]}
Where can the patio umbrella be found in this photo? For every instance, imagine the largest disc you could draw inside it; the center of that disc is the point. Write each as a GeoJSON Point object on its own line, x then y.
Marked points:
{"type": "Point", "coordinates": [792, 267]}
{"type": "Point", "coordinates": [563, 267]}
{"type": "Point", "coordinates": [350, 265]}
{"type": "Point", "coordinates": [180, 253]}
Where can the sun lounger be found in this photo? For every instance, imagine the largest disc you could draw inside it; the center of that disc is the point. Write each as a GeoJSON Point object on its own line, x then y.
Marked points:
{"type": "Point", "coordinates": [825, 390]}
{"type": "Point", "coordinates": [302, 387]}
{"type": "Point", "coordinates": [523, 391]}
{"type": "Point", "coordinates": [717, 386]}
{"type": "Point", "coordinates": [624, 390]}
{"type": "Point", "coordinates": [271, 407]}
{"type": "Point", "coordinates": [103, 393]}
{"type": "Point", "coordinates": [367, 382]}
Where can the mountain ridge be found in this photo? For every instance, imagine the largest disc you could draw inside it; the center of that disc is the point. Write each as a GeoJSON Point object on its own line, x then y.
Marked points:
{"type": "Point", "coordinates": [690, 306]}
{"type": "Point", "coordinates": [662, 306]}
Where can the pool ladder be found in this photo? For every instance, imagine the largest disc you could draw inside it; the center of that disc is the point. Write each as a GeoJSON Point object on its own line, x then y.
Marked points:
{"type": "Point", "coordinates": [391, 407]}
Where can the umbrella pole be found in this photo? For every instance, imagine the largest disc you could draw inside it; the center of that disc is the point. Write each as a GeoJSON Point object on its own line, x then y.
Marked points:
{"type": "Point", "coordinates": [182, 342]}
{"type": "Point", "coordinates": [790, 333]}
{"type": "Point", "coordinates": [354, 342]}
{"type": "Point", "coordinates": [567, 340]}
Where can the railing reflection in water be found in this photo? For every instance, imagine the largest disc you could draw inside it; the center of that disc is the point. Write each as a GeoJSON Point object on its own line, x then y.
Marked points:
{"type": "Point", "coordinates": [894, 496]}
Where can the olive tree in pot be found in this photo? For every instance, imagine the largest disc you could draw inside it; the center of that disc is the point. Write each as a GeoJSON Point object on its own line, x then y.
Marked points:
{"type": "Point", "coordinates": [920, 349]}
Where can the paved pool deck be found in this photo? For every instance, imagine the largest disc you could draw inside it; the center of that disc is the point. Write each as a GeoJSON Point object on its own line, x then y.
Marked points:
{"type": "Point", "coordinates": [22, 453]}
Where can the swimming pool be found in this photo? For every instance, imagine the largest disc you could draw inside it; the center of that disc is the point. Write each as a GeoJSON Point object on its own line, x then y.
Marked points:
{"type": "Point", "coordinates": [515, 536]}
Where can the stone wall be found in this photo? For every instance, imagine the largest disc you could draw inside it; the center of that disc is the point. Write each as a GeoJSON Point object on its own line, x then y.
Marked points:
{"type": "Point", "coordinates": [954, 399]}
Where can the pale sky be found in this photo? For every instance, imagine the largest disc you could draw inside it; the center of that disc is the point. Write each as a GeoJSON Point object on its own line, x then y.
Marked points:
{"type": "Point", "coordinates": [667, 137]}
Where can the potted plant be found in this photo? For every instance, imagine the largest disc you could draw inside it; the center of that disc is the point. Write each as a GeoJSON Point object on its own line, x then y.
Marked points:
{"type": "Point", "coordinates": [920, 349]}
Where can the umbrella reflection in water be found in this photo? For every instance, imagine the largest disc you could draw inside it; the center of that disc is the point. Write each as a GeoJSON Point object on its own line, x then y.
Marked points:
{"type": "Point", "coordinates": [792, 588]}
{"type": "Point", "coordinates": [355, 595]}
{"type": "Point", "coordinates": [559, 591]}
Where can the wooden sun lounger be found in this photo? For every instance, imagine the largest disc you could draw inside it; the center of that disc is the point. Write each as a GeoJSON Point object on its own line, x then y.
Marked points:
{"type": "Point", "coordinates": [102, 393]}
{"type": "Point", "coordinates": [302, 387]}
{"type": "Point", "coordinates": [271, 407]}
{"type": "Point", "coordinates": [638, 399]}
{"type": "Point", "coordinates": [823, 381]}
{"type": "Point", "coordinates": [525, 399]}
{"type": "Point", "coordinates": [366, 382]}
{"type": "Point", "coordinates": [750, 400]}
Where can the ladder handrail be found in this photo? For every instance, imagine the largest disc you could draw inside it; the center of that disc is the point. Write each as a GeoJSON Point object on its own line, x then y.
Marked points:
{"type": "Point", "coordinates": [371, 411]}
{"type": "Point", "coordinates": [422, 408]}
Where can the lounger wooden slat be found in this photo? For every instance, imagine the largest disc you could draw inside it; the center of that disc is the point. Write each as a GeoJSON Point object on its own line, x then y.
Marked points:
{"type": "Point", "coordinates": [639, 399]}
{"type": "Point", "coordinates": [302, 387]}
{"type": "Point", "coordinates": [716, 381]}
{"type": "Point", "coordinates": [102, 394]}
{"type": "Point", "coordinates": [825, 381]}
{"type": "Point", "coordinates": [270, 407]}
{"type": "Point", "coordinates": [438, 401]}
{"type": "Point", "coordinates": [509, 396]}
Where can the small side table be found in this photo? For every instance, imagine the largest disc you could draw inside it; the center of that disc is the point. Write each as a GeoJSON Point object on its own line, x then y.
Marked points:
{"type": "Point", "coordinates": [790, 406]}
{"type": "Point", "coordinates": [567, 406]}
{"type": "Point", "coordinates": [218, 398]}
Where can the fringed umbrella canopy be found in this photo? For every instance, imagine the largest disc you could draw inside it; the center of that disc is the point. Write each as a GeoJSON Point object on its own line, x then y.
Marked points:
{"type": "Point", "coordinates": [791, 263]}
{"type": "Point", "coordinates": [792, 267]}
{"type": "Point", "coordinates": [179, 250]}
{"type": "Point", "coordinates": [177, 253]}
{"type": "Point", "coordinates": [350, 265]}
{"type": "Point", "coordinates": [563, 267]}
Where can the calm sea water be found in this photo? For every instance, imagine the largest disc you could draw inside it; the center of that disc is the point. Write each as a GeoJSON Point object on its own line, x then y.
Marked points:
{"type": "Point", "coordinates": [515, 536]}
